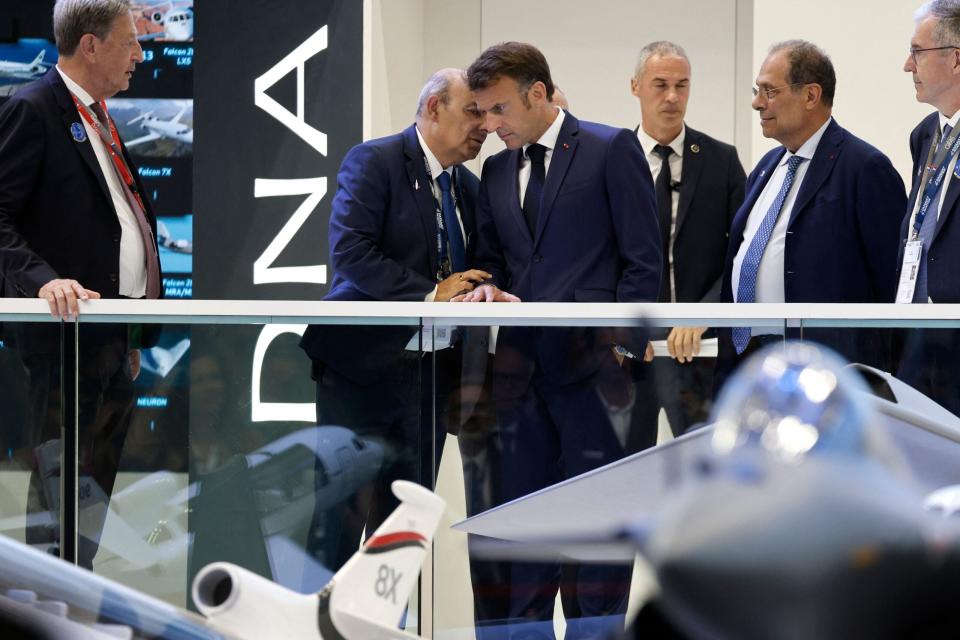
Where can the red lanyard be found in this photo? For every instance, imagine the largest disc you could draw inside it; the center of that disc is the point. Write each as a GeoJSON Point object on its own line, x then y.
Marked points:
{"type": "Point", "coordinates": [113, 145]}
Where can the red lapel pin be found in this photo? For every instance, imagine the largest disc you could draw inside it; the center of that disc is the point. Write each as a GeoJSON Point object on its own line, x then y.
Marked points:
{"type": "Point", "coordinates": [566, 146]}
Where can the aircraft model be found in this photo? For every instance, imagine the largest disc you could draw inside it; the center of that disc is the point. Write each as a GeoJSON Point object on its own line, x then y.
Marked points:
{"type": "Point", "coordinates": [798, 517]}
{"type": "Point", "coordinates": [365, 600]}
{"type": "Point", "coordinates": [171, 129]}
{"type": "Point", "coordinates": [24, 70]}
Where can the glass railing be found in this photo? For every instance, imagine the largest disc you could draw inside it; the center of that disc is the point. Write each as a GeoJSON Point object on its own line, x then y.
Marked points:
{"type": "Point", "coordinates": [149, 439]}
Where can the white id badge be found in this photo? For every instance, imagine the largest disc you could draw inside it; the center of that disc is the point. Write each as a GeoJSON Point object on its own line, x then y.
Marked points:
{"type": "Point", "coordinates": [909, 271]}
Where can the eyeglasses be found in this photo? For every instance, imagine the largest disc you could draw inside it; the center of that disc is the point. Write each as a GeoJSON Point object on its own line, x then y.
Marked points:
{"type": "Point", "coordinates": [914, 52]}
{"type": "Point", "coordinates": [772, 92]}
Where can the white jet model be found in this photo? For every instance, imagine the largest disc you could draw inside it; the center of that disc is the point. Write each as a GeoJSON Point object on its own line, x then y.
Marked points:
{"type": "Point", "coordinates": [24, 70]}
{"type": "Point", "coordinates": [364, 600]}
{"type": "Point", "coordinates": [171, 129]}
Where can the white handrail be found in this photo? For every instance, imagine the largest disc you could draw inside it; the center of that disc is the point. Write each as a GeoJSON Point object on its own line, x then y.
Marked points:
{"type": "Point", "coordinates": [529, 313]}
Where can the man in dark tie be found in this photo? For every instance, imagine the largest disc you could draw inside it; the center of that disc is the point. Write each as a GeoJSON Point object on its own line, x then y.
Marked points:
{"type": "Point", "coordinates": [75, 224]}
{"type": "Point", "coordinates": [566, 214]}
{"type": "Point", "coordinates": [821, 214]}
{"type": "Point", "coordinates": [699, 185]}
{"type": "Point", "coordinates": [402, 229]}
{"type": "Point", "coordinates": [930, 234]}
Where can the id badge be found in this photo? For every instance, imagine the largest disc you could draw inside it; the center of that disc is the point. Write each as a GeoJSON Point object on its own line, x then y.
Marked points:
{"type": "Point", "coordinates": [912, 253]}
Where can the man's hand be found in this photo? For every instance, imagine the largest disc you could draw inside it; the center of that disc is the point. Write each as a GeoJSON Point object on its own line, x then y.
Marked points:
{"type": "Point", "coordinates": [648, 353]}
{"type": "Point", "coordinates": [684, 342]}
{"type": "Point", "coordinates": [459, 283]}
{"type": "Point", "coordinates": [486, 293]}
{"type": "Point", "coordinates": [133, 358]}
{"type": "Point", "coordinates": [62, 296]}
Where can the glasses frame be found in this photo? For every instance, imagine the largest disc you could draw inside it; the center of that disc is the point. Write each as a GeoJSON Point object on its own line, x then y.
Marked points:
{"type": "Point", "coordinates": [772, 92]}
{"type": "Point", "coordinates": [914, 52]}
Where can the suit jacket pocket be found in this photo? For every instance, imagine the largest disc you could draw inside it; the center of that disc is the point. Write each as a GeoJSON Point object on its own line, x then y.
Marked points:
{"type": "Point", "coordinates": [594, 295]}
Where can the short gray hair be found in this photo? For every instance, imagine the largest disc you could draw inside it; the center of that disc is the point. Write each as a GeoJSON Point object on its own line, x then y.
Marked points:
{"type": "Point", "coordinates": [73, 18]}
{"type": "Point", "coordinates": [658, 48]}
{"type": "Point", "coordinates": [439, 85]}
{"type": "Point", "coordinates": [947, 13]}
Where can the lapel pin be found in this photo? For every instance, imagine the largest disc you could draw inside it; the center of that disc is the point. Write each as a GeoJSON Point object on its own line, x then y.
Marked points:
{"type": "Point", "coordinates": [695, 148]}
{"type": "Point", "coordinates": [763, 172]}
{"type": "Point", "coordinates": [79, 133]}
{"type": "Point", "coordinates": [416, 185]}
{"type": "Point", "coordinates": [832, 156]}
{"type": "Point", "coordinates": [566, 146]}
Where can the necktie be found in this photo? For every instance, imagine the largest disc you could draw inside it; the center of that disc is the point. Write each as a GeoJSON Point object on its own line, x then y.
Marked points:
{"type": "Point", "coordinates": [927, 230]}
{"type": "Point", "coordinates": [146, 234]}
{"type": "Point", "coordinates": [746, 289]}
{"type": "Point", "coordinates": [531, 197]}
{"type": "Point", "coordinates": [458, 256]}
{"type": "Point", "coordinates": [665, 215]}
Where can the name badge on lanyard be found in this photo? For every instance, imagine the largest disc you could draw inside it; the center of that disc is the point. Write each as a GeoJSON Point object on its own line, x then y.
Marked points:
{"type": "Point", "coordinates": [909, 271]}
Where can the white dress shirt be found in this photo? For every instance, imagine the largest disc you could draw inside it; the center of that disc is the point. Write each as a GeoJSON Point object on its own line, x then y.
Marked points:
{"type": "Point", "coordinates": [133, 259]}
{"type": "Point", "coordinates": [548, 140]}
{"type": "Point", "coordinates": [676, 171]}
{"type": "Point", "coordinates": [769, 287]}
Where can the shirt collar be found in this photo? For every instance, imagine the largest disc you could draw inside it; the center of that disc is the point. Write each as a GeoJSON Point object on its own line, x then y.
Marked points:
{"type": "Point", "coordinates": [549, 137]}
{"type": "Point", "coordinates": [435, 167]}
{"type": "Point", "coordinates": [647, 143]}
{"type": "Point", "coordinates": [952, 121]}
{"type": "Point", "coordinates": [75, 88]}
{"type": "Point", "coordinates": [808, 148]}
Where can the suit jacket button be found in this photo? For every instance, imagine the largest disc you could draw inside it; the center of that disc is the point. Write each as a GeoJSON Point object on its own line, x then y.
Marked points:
{"type": "Point", "coordinates": [113, 277]}
{"type": "Point", "coordinates": [116, 237]}
{"type": "Point", "coordinates": [537, 258]}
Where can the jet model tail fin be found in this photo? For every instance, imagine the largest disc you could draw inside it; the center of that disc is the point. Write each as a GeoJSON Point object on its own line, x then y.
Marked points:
{"type": "Point", "coordinates": [371, 590]}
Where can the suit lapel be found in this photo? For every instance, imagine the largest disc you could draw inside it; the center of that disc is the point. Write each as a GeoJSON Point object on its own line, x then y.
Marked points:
{"type": "Point", "coordinates": [822, 163]}
{"type": "Point", "coordinates": [690, 174]}
{"type": "Point", "coordinates": [467, 215]}
{"type": "Point", "coordinates": [750, 201]}
{"type": "Point", "coordinates": [70, 117]}
{"type": "Point", "coordinates": [949, 202]}
{"type": "Point", "coordinates": [419, 181]}
{"type": "Point", "coordinates": [560, 161]}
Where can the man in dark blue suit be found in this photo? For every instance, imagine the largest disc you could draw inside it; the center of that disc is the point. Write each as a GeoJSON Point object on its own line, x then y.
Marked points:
{"type": "Point", "coordinates": [566, 214]}
{"type": "Point", "coordinates": [931, 361]}
{"type": "Point", "coordinates": [821, 215]}
{"type": "Point", "coordinates": [74, 226]}
{"type": "Point", "coordinates": [402, 228]}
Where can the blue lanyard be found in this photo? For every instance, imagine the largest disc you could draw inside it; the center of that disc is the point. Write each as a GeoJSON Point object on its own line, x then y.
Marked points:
{"type": "Point", "coordinates": [947, 151]}
{"type": "Point", "coordinates": [443, 268]}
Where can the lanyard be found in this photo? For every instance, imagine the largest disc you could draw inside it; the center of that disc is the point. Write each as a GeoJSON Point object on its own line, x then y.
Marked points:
{"type": "Point", "coordinates": [443, 269]}
{"type": "Point", "coordinates": [112, 143]}
{"type": "Point", "coordinates": [938, 159]}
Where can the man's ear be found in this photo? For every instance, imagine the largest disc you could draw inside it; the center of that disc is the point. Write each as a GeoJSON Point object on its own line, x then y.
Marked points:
{"type": "Point", "coordinates": [433, 107]}
{"type": "Point", "coordinates": [88, 46]}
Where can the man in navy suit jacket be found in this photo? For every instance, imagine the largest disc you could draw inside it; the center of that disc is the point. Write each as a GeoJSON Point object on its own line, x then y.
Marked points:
{"type": "Point", "coordinates": [387, 243]}
{"type": "Point", "coordinates": [69, 232]}
{"type": "Point", "coordinates": [827, 204]}
{"type": "Point", "coordinates": [566, 214]}
{"type": "Point", "coordinates": [932, 357]}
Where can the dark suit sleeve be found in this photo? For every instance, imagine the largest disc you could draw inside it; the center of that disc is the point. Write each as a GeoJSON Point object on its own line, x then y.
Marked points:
{"type": "Point", "coordinates": [357, 218]}
{"type": "Point", "coordinates": [489, 253]}
{"type": "Point", "coordinates": [881, 203]}
{"type": "Point", "coordinates": [634, 211]}
{"type": "Point", "coordinates": [21, 158]}
{"type": "Point", "coordinates": [736, 184]}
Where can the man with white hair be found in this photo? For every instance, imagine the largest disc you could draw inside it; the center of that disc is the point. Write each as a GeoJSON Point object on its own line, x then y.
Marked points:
{"type": "Point", "coordinates": [401, 229]}
{"type": "Point", "coordinates": [75, 225]}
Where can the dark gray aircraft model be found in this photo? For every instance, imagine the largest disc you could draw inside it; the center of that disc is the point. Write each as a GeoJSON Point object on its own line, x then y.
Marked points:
{"type": "Point", "coordinates": [801, 516]}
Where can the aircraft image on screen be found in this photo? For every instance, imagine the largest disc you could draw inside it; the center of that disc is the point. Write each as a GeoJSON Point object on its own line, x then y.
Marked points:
{"type": "Point", "coordinates": [154, 127]}
{"type": "Point", "coordinates": [164, 20]}
{"type": "Point", "coordinates": [25, 70]}
{"type": "Point", "coordinates": [364, 600]}
{"type": "Point", "coordinates": [158, 128]}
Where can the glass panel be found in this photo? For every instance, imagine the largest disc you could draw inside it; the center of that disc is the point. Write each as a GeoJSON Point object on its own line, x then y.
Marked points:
{"type": "Point", "coordinates": [32, 413]}
{"type": "Point", "coordinates": [231, 444]}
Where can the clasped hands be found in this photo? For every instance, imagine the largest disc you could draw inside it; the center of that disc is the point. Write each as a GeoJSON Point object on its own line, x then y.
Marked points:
{"type": "Point", "coordinates": [469, 286]}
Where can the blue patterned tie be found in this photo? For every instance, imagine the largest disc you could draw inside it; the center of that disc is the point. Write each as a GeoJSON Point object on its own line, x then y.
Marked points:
{"type": "Point", "coordinates": [458, 254]}
{"type": "Point", "coordinates": [747, 287]}
{"type": "Point", "coordinates": [926, 232]}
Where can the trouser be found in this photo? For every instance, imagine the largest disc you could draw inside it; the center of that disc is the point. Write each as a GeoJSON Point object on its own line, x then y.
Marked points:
{"type": "Point", "coordinates": [549, 434]}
